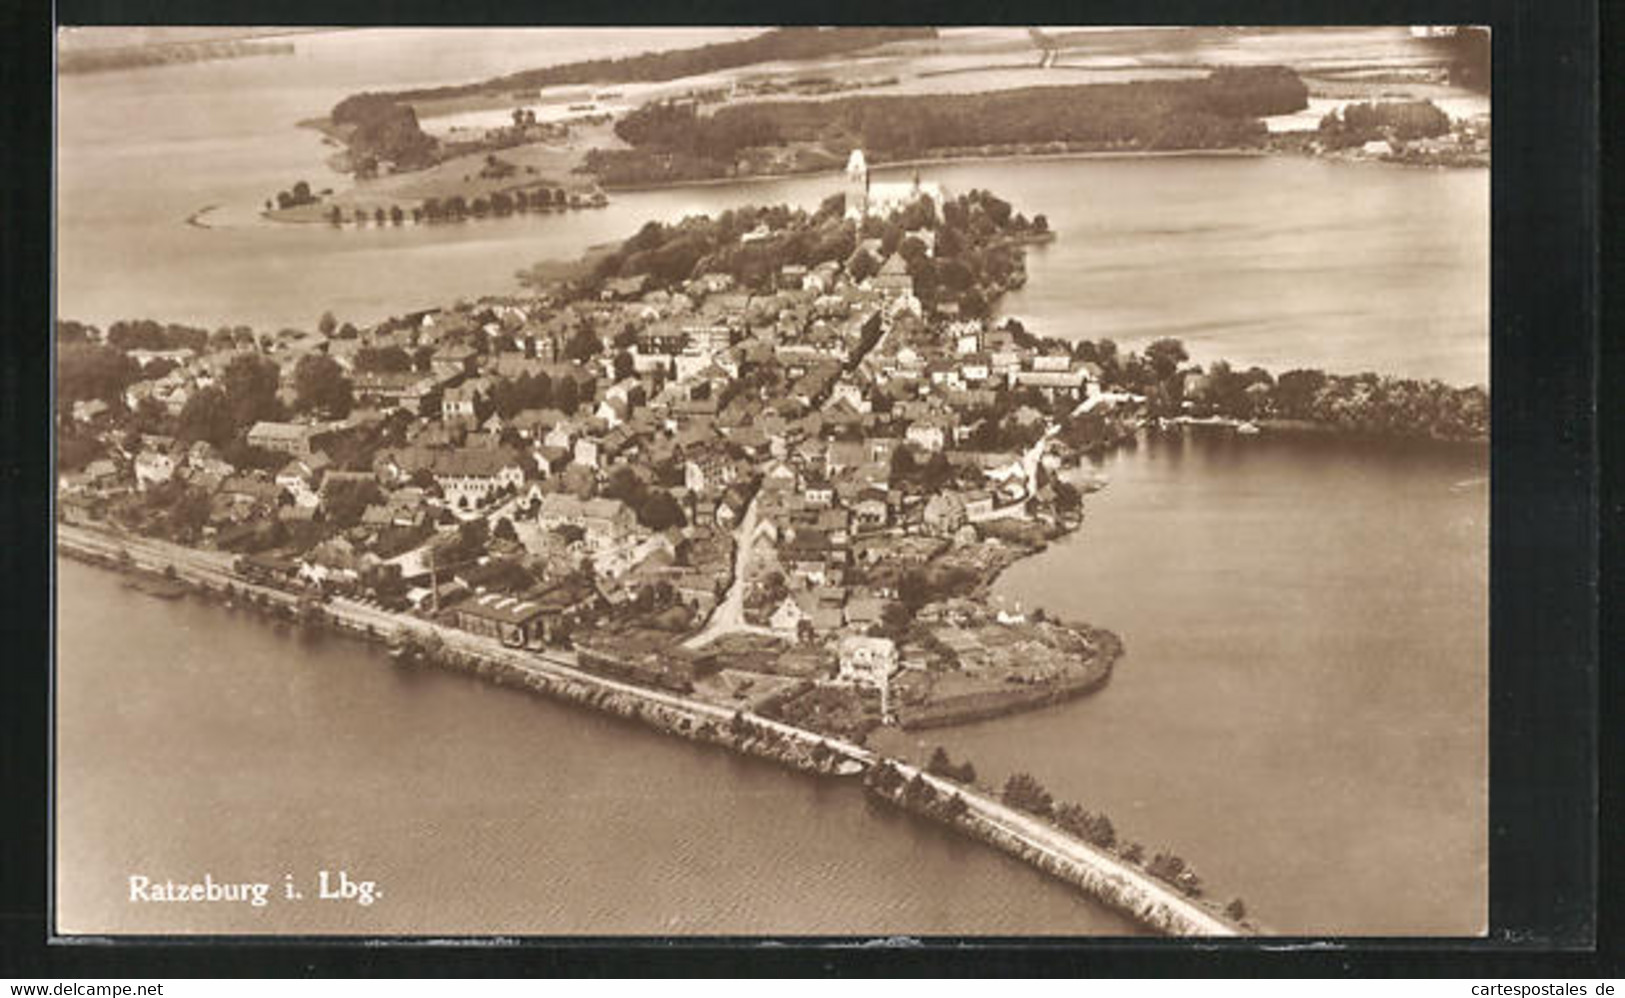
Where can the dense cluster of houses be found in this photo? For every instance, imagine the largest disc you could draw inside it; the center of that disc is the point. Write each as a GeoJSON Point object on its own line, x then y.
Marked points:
{"type": "Point", "coordinates": [789, 409]}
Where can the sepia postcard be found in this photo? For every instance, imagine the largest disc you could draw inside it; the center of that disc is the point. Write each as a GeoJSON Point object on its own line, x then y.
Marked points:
{"type": "Point", "coordinates": [764, 481]}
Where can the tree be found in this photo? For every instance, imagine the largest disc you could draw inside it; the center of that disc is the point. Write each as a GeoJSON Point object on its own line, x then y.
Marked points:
{"type": "Point", "coordinates": [583, 344]}
{"type": "Point", "coordinates": [1022, 791]}
{"type": "Point", "coordinates": [913, 591]}
{"type": "Point", "coordinates": [207, 416]}
{"type": "Point", "coordinates": [150, 416]}
{"type": "Point", "coordinates": [87, 371]}
{"type": "Point", "coordinates": [327, 324]}
{"type": "Point", "coordinates": [390, 359]}
{"type": "Point", "coordinates": [903, 465]}
{"type": "Point", "coordinates": [1236, 910]}
{"type": "Point", "coordinates": [625, 367]}
{"type": "Point", "coordinates": [239, 453]}
{"type": "Point", "coordinates": [565, 396]}
{"type": "Point", "coordinates": [471, 537]}
{"type": "Point", "coordinates": [504, 530]}
{"type": "Point", "coordinates": [895, 619]}
{"type": "Point", "coordinates": [1296, 392]}
{"type": "Point", "coordinates": [1165, 356]}
{"type": "Point", "coordinates": [863, 266]}
{"type": "Point", "coordinates": [660, 511]}
{"type": "Point", "coordinates": [320, 386]}
{"type": "Point", "coordinates": [833, 206]}
{"type": "Point", "coordinates": [346, 501]}
{"type": "Point", "coordinates": [250, 386]}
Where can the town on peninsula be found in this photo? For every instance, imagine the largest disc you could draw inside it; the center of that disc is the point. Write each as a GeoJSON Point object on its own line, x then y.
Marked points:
{"type": "Point", "coordinates": [746, 478]}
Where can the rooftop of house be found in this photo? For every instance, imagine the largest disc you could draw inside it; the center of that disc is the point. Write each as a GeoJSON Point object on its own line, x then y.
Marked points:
{"type": "Point", "coordinates": [474, 462]}
{"type": "Point", "coordinates": [268, 430]}
{"type": "Point", "coordinates": [501, 608]}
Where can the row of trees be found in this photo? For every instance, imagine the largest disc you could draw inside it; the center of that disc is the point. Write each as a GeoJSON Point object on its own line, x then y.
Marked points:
{"type": "Point", "coordinates": [300, 194]}
{"type": "Point", "coordinates": [144, 334]}
{"type": "Point", "coordinates": [1403, 120]}
{"type": "Point", "coordinates": [245, 393]}
{"type": "Point", "coordinates": [1221, 110]}
{"type": "Point", "coordinates": [172, 510]}
{"type": "Point", "coordinates": [678, 128]}
{"type": "Point", "coordinates": [458, 208]}
{"type": "Point", "coordinates": [86, 371]}
{"type": "Point", "coordinates": [1360, 403]}
{"type": "Point", "coordinates": [655, 507]}
{"type": "Point", "coordinates": [885, 780]}
{"type": "Point", "coordinates": [1023, 791]}
{"type": "Point", "coordinates": [943, 766]}
{"type": "Point", "coordinates": [538, 391]}
{"type": "Point", "coordinates": [392, 359]}
{"type": "Point", "coordinates": [1384, 406]}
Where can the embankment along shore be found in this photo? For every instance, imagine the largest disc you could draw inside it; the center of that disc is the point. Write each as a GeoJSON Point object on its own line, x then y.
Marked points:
{"type": "Point", "coordinates": [1105, 879]}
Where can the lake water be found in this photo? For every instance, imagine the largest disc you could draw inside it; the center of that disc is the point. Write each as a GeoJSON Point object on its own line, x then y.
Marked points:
{"type": "Point", "coordinates": [1300, 714]}
{"type": "Point", "coordinates": [194, 740]}
{"type": "Point", "coordinates": [1262, 260]}
{"type": "Point", "coordinates": [1302, 709]}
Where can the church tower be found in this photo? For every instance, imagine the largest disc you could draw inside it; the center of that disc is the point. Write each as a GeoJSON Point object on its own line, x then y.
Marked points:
{"type": "Point", "coordinates": [857, 185]}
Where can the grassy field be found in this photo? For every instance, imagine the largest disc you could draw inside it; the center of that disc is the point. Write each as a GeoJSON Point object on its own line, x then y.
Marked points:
{"type": "Point", "coordinates": [538, 164]}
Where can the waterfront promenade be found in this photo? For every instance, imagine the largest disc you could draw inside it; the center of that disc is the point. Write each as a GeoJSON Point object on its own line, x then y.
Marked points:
{"type": "Point", "coordinates": [1108, 877]}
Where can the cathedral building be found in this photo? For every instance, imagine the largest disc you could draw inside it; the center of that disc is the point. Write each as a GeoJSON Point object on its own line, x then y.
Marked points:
{"type": "Point", "coordinates": [865, 197]}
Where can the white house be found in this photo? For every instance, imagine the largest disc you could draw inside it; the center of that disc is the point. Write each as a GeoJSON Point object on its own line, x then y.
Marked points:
{"type": "Point", "coordinates": [469, 476]}
{"type": "Point", "coordinates": [926, 435]}
{"type": "Point", "coordinates": [866, 661]}
{"type": "Point", "coordinates": [153, 468]}
{"type": "Point", "coordinates": [786, 620]}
